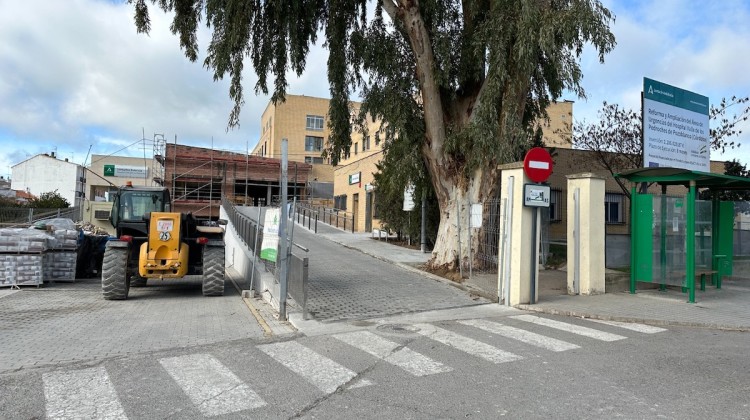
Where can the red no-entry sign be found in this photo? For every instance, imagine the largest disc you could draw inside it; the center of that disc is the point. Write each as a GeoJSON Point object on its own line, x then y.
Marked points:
{"type": "Point", "coordinates": [538, 164]}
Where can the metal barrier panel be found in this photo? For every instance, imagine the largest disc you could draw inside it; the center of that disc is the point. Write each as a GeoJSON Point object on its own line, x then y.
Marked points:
{"type": "Point", "coordinates": [298, 273]}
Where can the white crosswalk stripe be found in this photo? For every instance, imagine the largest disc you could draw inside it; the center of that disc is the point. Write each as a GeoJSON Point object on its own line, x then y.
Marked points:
{"type": "Point", "coordinates": [320, 371]}
{"type": "Point", "coordinates": [524, 336]}
{"type": "Point", "coordinates": [411, 361]}
{"type": "Point", "coordinates": [81, 394]}
{"type": "Point", "coordinates": [571, 328]}
{"type": "Point", "coordinates": [642, 328]}
{"type": "Point", "coordinates": [210, 385]}
{"type": "Point", "coordinates": [466, 344]}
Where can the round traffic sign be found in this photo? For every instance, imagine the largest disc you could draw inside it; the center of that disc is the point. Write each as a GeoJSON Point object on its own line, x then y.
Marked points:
{"type": "Point", "coordinates": [537, 164]}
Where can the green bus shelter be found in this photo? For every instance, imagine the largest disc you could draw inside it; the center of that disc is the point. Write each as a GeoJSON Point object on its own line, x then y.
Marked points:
{"type": "Point", "coordinates": [676, 239]}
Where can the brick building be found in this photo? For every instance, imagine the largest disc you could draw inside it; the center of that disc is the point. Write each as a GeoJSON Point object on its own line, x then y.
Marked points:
{"type": "Point", "coordinates": [198, 178]}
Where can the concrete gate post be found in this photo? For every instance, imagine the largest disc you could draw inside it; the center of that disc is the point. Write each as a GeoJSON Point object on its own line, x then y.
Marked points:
{"type": "Point", "coordinates": [586, 233]}
{"type": "Point", "coordinates": [514, 264]}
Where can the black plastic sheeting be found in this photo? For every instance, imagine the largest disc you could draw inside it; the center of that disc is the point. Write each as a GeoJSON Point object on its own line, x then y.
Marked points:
{"type": "Point", "coordinates": [90, 256]}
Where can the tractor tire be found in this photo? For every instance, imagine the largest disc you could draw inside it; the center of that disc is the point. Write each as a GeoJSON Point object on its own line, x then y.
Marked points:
{"type": "Point", "coordinates": [137, 281]}
{"type": "Point", "coordinates": [213, 271]}
{"type": "Point", "coordinates": [115, 284]}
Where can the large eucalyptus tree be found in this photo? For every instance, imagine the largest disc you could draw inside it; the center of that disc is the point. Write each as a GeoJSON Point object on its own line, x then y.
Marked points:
{"type": "Point", "coordinates": [456, 83]}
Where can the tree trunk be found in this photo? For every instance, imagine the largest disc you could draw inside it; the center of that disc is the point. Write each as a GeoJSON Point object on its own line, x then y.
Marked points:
{"type": "Point", "coordinates": [455, 210]}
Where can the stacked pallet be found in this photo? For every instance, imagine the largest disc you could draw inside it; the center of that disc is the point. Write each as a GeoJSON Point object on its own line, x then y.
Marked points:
{"type": "Point", "coordinates": [60, 258]}
{"type": "Point", "coordinates": [21, 253]}
{"type": "Point", "coordinates": [28, 257]}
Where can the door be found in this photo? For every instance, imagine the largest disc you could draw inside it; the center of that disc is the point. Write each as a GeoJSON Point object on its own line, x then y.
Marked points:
{"type": "Point", "coordinates": [355, 212]}
{"type": "Point", "coordinates": [368, 212]}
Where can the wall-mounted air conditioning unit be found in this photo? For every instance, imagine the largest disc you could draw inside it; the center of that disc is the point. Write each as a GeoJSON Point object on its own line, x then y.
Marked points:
{"type": "Point", "coordinates": [101, 214]}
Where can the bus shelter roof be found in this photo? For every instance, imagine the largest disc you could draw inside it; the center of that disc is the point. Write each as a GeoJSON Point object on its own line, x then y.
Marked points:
{"type": "Point", "coordinates": [678, 176]}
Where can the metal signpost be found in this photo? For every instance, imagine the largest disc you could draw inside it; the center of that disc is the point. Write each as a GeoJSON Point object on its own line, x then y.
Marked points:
{"type": "Point", "coordinates": [537, 165]}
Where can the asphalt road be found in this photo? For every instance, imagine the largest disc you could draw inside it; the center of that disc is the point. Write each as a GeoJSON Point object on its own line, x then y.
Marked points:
{"type": "Point", "coordinates": [516, 366]}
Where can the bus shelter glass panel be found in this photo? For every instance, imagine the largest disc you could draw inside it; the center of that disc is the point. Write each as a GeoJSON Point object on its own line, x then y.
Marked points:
{"type": "Point", "coordinates": [669, 242]}
{"type": "Point", "coordinates": [703, 234]}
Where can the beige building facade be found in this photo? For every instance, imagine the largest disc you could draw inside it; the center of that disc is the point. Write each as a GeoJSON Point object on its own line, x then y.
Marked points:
{"type": "Point", "coordinates": [354, 176]}
{"type": "Point", "coordinates": [303, 121]}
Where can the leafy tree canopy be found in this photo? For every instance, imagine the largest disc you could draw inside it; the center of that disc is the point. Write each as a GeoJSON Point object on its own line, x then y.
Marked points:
{"type": "Point", "coordinates": [456, 84]}
{"type": "Point", "coordinates": [48, 200]}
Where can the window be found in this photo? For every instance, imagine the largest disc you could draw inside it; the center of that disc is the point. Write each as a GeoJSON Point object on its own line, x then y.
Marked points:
{"type": "Point", "coordinates": [313, 144]}
{"type": "Point", "coordinates": [613, 208]}
{"type": "Point", "coordinates": [314, 159]}
{"type": "Point", "coordinates": [555, 200]}
{"type": "Point", "coordinates": [366, 143]}
{"type": "Point", "coordinates": [356, 148]}
{"type": "Point", "coordinates": [314, 122]}
{"type": "Point", "coordinates": [377, 139]}
{"type": "Point", "coordinates": [339, 202]}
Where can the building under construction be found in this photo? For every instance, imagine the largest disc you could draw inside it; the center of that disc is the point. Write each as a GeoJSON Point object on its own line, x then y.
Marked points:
{"type": "Point", "coordinates": [198, 178]}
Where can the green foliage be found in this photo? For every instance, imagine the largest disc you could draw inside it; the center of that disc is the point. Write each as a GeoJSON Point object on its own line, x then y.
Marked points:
{"type": "Point", "coordinates": [495, 65]}
{"type": "Point", "coordinates": [48, 200]}
{"type": "Point", "coordinates": [9, 202]}
{"type": "Point", "coordinates": [455, 84]}
{"type": "Point", "coordinates": [739, 197]}
{"type": "Point", "coordinates": [391, 181]}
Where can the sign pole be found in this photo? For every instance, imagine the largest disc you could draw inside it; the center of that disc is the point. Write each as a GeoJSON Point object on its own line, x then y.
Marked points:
{"type": "Point", "coordinates": [537, 166]}
{"type": "Point", "coordinates": [283, 258]}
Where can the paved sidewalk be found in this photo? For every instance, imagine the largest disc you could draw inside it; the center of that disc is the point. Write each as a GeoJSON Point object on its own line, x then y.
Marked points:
{"type": "Point", "coordinates": [727, 308]}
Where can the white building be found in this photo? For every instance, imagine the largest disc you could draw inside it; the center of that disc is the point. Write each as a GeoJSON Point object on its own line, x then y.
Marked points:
{"type": "Point", "coordinates": [46, 173]}
{"type": "Point", "coordinates": [103, 176]}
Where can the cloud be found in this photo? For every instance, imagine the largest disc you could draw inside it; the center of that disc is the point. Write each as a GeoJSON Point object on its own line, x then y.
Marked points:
{"type": "Point", "coordinates": [695, 45]}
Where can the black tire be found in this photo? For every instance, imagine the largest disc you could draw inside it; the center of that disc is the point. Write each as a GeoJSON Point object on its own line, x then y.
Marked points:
{"type": "Point", "coordinates": [115, 284]}
{"type": "Point", "coordinates": [137, 281]}
{"type": "Point", "coordinates": [213, 271]}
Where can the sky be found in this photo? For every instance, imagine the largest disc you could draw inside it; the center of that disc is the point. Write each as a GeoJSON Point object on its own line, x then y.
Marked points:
{"type": "Point", "coordinates": [77, 79]}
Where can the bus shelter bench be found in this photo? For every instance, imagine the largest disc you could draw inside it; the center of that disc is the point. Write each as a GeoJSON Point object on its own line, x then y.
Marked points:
{"type": "Point", "coordinates": [702, 272]}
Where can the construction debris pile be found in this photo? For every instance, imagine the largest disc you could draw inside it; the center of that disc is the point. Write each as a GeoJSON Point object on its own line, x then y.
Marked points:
{"type": "Point", "coordinates": [45, 252]}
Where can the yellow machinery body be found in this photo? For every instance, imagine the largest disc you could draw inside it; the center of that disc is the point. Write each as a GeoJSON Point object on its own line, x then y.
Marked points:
{"type": "Point", "coordinates": [163, 255]}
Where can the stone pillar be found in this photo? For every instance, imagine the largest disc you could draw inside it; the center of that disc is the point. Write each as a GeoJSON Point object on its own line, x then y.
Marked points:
{"type": "Point", "coordinates": [515, 265]}
{"type": "Point", "coordinates": [586, 233]}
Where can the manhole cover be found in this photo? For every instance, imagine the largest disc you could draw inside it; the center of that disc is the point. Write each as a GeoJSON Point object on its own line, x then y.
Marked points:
{"type": "Point", "coordinates": [398, 328]}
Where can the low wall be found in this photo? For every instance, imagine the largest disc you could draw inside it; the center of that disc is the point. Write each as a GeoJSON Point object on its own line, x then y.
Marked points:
{"type": "Point", "coordinates": [241, 263]}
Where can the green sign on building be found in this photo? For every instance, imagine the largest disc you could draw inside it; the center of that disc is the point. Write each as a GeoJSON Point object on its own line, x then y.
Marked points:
{"type": "Point", "coordinates": [109, 170]}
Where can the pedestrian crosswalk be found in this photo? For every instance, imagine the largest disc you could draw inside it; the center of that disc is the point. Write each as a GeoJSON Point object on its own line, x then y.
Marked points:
{"type": "Point", "coordinates": [210, 385]}
{"type": "Point", "coordinates": [215, 389]}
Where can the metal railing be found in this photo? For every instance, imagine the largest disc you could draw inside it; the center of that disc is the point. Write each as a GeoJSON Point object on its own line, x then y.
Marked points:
{"type": "Point", "coordinates": [341, 219]}
{"type": "Point", "coordinates": [22, 217]}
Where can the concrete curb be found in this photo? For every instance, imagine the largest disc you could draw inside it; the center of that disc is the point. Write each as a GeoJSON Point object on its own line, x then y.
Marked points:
{"type": "Point", "coordinates": [655, 322]}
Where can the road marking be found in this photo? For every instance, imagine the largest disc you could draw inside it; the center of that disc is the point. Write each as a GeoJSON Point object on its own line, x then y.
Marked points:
{"type": "Point", "coordinates": [409, 360]}
{"type": "Point", "coordinates": [466, 344]}
{"type": "Point", "coordinates": [320, 371]}
{"type": "Point", "coordinates": [571, 328]}
{"type": "Point", "coordinates": [210, 385]}
{"type": "Point", "coordinates": [642, 328]}
{"type": "Point", "coordinates": [81, 394]}
{"type": "Point", "coordinates": [524, 336]}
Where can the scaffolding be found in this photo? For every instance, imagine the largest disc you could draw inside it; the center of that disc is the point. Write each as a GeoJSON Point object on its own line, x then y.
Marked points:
{"type": "Point", "coordinates": [157, 164]}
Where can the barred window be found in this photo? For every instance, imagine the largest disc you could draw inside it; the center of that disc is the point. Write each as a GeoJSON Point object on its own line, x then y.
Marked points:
{"type": "Point", "coordinates": [613, 208]}
{"type": "Point", "coordinates": [555, 200]}
{"type": "Point", "coordinates": [339, 202]}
